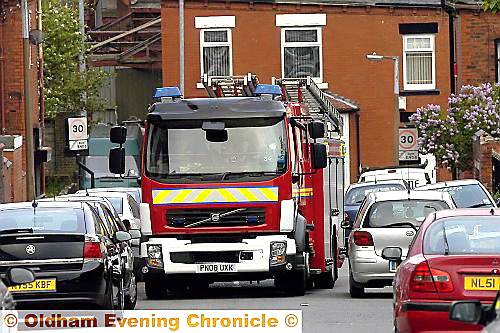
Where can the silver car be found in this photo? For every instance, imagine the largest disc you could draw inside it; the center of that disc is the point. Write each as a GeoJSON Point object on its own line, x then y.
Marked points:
{"type": "Point", "coordinates": [386, 219]}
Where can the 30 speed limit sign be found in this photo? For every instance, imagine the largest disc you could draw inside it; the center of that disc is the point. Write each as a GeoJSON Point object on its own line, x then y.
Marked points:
{"type": "Point", "coordinates": [408, 148]}
{"type": "Point", "coordinates": [77, 133]}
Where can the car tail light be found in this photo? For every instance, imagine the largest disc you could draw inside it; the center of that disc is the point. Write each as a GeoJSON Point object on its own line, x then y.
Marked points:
{"type": "Point", "coordinates": [425, 279]}
{"type": "Point", "coordinates": [363, 238]}
{"type": "Point", "coordinates": [92, 249]}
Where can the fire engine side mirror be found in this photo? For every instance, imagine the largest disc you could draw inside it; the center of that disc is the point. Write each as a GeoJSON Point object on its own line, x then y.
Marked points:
{"type": "Point", "coordinates": [118, 134]}
{"type": "Point", "coordinates": [117, 161]}
{"type": "Point", "coordinates": [319, 159]}
{"type": "Point", "coordinates": [316, 129]}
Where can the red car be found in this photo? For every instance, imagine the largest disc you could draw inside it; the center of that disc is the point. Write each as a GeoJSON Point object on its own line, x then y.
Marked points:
{"type": "Point", "coordinates": [454, 256]}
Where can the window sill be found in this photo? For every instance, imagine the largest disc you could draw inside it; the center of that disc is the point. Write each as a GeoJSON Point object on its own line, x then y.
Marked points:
{"type": "Point", "coordinates": [423, 92]}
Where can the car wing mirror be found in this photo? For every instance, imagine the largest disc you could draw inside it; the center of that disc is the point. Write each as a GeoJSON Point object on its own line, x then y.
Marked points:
{"type": "Point", "coordinates": [346, 224]}
{"type": "Point", "coordinates": [122, 236]}
{"type": "Point", "coordinates": [135, 233]}
{"type": "Point", "coordinates": [392, 253]}
{"type": "Point", "coordinates": [466, 311]}
{"type": "Point", "coordinates": [19, 275]}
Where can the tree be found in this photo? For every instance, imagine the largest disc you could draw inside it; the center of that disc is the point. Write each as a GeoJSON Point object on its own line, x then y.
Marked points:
{"type": "Point", "coordinates": [449, 135]}
{"type": "Point", "coordinates": [65, 86]}
{"type": "Point", "coordinates": [491, 5]}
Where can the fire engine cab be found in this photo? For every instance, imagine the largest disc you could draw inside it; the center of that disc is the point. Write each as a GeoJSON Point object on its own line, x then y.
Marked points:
{"type": "Point", "coordinates": [237, 188]}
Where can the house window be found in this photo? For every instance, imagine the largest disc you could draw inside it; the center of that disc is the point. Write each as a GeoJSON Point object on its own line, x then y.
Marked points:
{"type": "Point", "coordinates": [216, 52]}
{"type": "Point", "coordinates": [301, 53]}
{"type": "Point", "coordinates": [419, 62]}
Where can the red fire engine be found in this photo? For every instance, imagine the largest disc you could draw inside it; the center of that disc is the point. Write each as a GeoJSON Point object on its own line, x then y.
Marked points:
{"type": "Point", "coordinates": [238, 188]}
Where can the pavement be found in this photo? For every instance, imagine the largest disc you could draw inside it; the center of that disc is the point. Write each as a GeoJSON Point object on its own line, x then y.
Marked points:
{"type": "Point", "coordinates": [325, 311]}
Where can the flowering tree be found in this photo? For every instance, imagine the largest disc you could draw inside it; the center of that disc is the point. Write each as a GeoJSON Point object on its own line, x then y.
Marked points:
{"type": "Point", "coordinates": [449, 135]}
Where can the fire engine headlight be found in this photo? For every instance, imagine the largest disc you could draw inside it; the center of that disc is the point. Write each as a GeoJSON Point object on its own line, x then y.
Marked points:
{"type": "Point", "coordinates": [278, 253]}
{"type": "Point", "coordinates": [155, 256]}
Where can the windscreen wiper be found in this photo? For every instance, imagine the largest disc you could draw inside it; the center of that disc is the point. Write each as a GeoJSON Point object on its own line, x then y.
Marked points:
{"type": "Point", "coordinates": [482, 204]}
{"type": "Point", "coordinates": [248, 174]}
{"type": "Point", "coordinates": [17, 231]}
{"type": "Point", "coordinates": [446, 244]}
{"type": "Point", "coordinates": [403, 224]}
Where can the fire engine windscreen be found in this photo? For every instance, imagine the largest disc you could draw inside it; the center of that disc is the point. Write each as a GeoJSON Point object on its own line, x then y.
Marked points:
{"type": "Point", "coordinates": [181, 147]}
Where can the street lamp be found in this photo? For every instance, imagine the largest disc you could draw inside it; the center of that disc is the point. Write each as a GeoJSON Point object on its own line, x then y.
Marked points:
{"type": "Point", "coordinates": [377, 57]}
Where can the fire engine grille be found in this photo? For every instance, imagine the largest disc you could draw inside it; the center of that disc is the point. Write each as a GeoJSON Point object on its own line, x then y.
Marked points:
{"type": "Point", "coordinates": [216, 217]}
{"type": "Point", "coordinates": [204, 257]}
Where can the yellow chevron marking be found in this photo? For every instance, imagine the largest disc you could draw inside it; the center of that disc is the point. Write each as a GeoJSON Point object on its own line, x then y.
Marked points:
{"type": "Point", "coordinates": [160, 197]}
{"type": "Point", "coordinates": [181, 197]}
{"type": "Point", "coordinates": [248, 194]}
{"type": "Point", "coordinates": [202, 197]}
{"type": "Point", "coordinates": [269, 194]}
{"type": "Point", "coordinates": [227, 195]}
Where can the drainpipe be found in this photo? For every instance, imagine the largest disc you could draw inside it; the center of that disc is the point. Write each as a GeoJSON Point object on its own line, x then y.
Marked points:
{"type": "Point", "coordinates": [358, 144]}
{"type": "Point", "coordinates": [451, 32]}
{"type": "Point", "coordinates": [2, 77]}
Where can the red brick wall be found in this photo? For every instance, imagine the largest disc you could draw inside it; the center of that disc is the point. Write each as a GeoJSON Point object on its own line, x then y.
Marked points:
{"type": "Point", "coordinates": [476, 46]}
{"type": "Point", "coordinates": [483, 168]}
{"type": "Point", "coordinates": [11, 54]}
{"type": "Point", "coordinates": [350, 34]}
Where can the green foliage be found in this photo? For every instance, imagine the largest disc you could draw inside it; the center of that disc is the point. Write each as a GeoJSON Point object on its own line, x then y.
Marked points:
{"type": "Point", "coordinates": [491, 5]}
{"type": "Point", "coordinates": [65, 86]}
{"type": "Point", "coordinates": [449, 134]}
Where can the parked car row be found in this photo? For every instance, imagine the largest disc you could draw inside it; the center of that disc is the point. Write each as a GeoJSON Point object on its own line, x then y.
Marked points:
{"type": "Point", "coordinates": [438, 245]}
{"type": "Point", "coordinates": [80, 249]}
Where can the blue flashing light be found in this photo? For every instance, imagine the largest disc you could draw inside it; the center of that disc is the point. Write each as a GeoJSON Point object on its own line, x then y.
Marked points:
{"type": "Point", "coordinates": [267, 89]}
{"type": "Point", "coordinates": [172, 92]}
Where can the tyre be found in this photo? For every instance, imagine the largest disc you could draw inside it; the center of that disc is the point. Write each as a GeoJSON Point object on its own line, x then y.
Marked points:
{"type": "Point", "coordinates": [295, 283]}
{"type": "Point", "coordinates": [325, 280]}
{"type": "Point", "coordinates": [131, 296]}
{"type": "Point", "coordinates": [355, 289]}
{"type": "Point", "coordinates": [156, 287]}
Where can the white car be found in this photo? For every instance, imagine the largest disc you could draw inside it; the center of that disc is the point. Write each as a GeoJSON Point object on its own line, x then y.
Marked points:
{"type": "Point", "coordinates": [125, 205]}
{"type": "Point", "coordinates": [135, 192]}
{"type": "Point", "coordinates": [413, 176]}
{"type": "Point", "coordinates": [466, 193]}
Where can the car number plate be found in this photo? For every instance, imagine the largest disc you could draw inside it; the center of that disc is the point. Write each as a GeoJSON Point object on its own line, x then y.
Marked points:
{"type": "Point", "coordinates": [37, 285]}
{"type": "Point", "coordinates": [393, 266]}
{"type": "Point", "coordinates": [216, 268]}
{"type": "Point", "coordinates": [482, 283]}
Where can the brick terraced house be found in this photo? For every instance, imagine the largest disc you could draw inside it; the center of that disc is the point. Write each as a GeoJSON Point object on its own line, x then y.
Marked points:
{"type": "Point", "coordinates": [328, 40]}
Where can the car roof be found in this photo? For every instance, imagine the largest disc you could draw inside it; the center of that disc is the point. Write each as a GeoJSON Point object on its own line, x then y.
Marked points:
{"type": "Point", "coordinates": [111, 194]}
{"type": "Point", "coordinates": [379, 182]}
{"type": "Point", "coordinates": [111, 189]}
{"type": "Point", "coordinates": [410, 195]}
{"type": "Point", "coordinates": [43, 204]}
{"type": "Point", "coordinates": [467, 212]}
{"type": "Point", "coordinates": [448, 184]}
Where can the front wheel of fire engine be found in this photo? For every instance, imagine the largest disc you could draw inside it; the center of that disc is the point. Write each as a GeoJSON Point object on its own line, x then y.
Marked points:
{"type": "Point", "coordinates": [295, 283]}
{"type": "Point", "coordinates": [156, 287]}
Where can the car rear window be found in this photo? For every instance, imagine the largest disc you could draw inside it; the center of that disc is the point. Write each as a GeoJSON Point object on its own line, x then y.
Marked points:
{"type": "Point", "coordinates": [468, 196]}
{"type": "Point", "coordinates": [464, 235]}
{"type": "Point", "coordinates": [356, 195]}
{"type": "Point", "coordinates": [43, 220]}
{"type": "Point", "coordinates": [117, 203]}
{"type": "Point", "coordinates": [386, 213]}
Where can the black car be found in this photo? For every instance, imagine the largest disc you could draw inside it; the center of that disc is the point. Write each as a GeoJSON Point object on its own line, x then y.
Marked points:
{"type": "Point", "coordinates": [75, 258]}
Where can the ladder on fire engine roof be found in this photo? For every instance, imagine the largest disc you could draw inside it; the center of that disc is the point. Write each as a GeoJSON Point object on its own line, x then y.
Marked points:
{"type": "Point", "coordinates": [306, 91]}
{"type": "Point", "coordinates": [230, 86]}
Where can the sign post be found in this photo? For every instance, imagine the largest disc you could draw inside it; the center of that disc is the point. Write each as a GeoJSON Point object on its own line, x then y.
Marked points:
{"type": "Point", "coordinates": [77, 135]}
{"type": "Point", "coordinates": [408, 147]}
